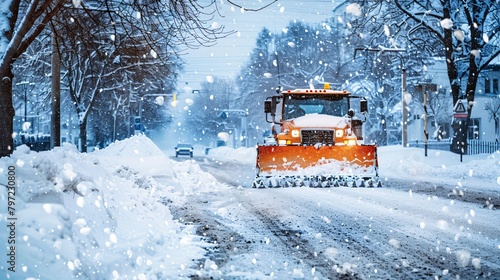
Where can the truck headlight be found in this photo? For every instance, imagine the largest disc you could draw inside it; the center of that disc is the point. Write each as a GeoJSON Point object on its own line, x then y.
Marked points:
{"type": "Point", "coordinates": [351, 142]}
{"type": "Point", "coordinates": [282, 142]}
{"type": "Point", "coordinates": [295, 133]}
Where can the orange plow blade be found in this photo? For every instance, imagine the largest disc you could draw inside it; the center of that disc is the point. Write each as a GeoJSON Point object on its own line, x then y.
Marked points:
{"type": "Point", "coordinates": [326, 165]}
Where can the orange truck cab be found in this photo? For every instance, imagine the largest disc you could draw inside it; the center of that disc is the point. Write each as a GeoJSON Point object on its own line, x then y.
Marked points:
{"type": "Point", "coordinates": [320, 142]}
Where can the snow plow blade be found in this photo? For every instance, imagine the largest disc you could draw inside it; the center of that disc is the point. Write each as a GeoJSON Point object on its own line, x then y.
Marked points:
{"type": "Point", "coordinates": [311, 166]}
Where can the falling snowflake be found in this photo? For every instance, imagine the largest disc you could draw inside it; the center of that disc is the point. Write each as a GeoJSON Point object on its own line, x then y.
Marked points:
{"type": "Point", "coordinates": [486, 39]}
{"type": "Point", "coordinates": [459, 34]}
{"type": "Point", "coordinates": [153, 53]}
{"type": "Point", "coordinates": [160, 100]}
{"type": "Point", "coordinates": [387, 32]}
{"type": "Point", "coordinates": [354, 9]}
{"type": "Point", "coordinates": [447, 23]}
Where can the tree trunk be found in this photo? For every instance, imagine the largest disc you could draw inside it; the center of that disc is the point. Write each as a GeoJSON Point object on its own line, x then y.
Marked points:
{"type": "Point", "coordinates": [450, 59]}
{"type": "Point", "coordinates": [55, 117]}
{"type": "Point", "coordinates": [7, 114]}
{"type": "Point", "coordinates": [83, 135]}
{"type": "Point", "coordinates": [496, 129]}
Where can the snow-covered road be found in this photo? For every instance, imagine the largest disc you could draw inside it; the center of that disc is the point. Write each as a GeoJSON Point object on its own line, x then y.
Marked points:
{"type": "Point", "coordinates": [133, 211]}
{"type": "Point", "coordinates": [401, 231]}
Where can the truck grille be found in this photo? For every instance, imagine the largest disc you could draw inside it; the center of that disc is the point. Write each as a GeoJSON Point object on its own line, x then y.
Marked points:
{"type": "Point", "coordinates": [313, 137]}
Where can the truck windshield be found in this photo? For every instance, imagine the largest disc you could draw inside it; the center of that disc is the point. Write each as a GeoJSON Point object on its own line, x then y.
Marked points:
{"type": "Point", "coordinates": [299, 105]}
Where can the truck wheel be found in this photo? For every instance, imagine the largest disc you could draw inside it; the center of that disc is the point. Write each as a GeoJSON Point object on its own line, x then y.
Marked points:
{"type": "Point", "coordinates": [191, 154]}
{"type": "Point", "coordinates": [176, 155]}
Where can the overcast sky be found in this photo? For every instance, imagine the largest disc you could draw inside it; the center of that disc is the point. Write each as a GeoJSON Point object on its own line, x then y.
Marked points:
{"type": "Point", "coordinates": [229, 54]}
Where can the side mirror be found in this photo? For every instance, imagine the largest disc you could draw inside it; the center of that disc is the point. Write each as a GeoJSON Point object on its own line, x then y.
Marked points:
{"type": "Point", "coordinates": [363, 105]}
{"type": "Point", "coordinates": [350, 113]}
{"type": "Point", "coordinates": [267, 106]}
{"type": "Point", "coordinates": [270, 105]}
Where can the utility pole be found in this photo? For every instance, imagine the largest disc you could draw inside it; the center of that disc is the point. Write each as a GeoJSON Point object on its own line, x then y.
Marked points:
{"type": "Point", "coordinates": [424, 87]}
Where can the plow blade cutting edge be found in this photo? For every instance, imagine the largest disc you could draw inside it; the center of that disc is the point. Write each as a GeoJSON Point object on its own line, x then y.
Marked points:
{"type": "Point", "coordinates": [311, 166]}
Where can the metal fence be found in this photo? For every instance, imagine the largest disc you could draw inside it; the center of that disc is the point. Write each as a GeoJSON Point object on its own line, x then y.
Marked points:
{"type": "Point", "coordinates": [443, 145]}
{"type": "Point", "coordinates": [475, 147]}
{"type": "Point", "coordinates": [36, 142]}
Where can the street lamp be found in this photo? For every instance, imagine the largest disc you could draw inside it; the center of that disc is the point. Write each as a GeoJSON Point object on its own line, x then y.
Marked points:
{"type": "Point", "coordinates": [424, 87]}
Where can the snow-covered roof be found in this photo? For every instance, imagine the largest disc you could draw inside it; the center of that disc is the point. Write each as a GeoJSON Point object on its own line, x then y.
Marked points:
{"type": "Point", "coordinates": [312, 120]}
{"type": "Point", "coordinates": [317, 91]}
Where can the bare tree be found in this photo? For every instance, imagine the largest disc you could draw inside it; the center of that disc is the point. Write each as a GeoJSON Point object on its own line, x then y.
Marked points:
{"type": "Point", "coordinates": [439, 109]}
{"type": "Point", "coordinates": [84, 80]}
{"type": "Point", "coordinates": [186, 20]}
{"type": "Point", "coordinates": [31, 90]}
{"type": "Point", "coordinates": [492, 106]}
{"type": "Point", "coordinates": [301, 56]}
{"type": "Point", "coordinates": [259, 78]}
{"type": "Point", "coordinates": [204, 114]}
{"type": "Point", "coordinates": [23, 24]}
{"type": "Point", "coordinates": [116, 103]}
{"type": "Point", "coordinates": [466, 33]}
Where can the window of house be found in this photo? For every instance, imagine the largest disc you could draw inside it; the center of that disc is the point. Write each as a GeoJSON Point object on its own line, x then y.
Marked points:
{"type": "Point", "coordinates": [442, 91]}
{"type": "Point", "coordinates": [495, 86]}
{"type": "Point", "coordinates": [487, 86]}
{"type": "Point", "coordinates": [473, 131]}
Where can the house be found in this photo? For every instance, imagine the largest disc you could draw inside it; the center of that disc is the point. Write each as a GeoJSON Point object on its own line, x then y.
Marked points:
{"type": "Point", "coordinates": [484, 122]}
{"type": "Point", "coordinates": [486, 111]}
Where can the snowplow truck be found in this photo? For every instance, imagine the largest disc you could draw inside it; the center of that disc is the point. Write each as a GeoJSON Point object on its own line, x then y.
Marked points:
{"type": "Point", "coordinates": [320, 142]}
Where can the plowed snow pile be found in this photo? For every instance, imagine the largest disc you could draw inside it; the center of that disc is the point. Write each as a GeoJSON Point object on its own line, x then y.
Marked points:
{"type": "Point", "coordinates": [95, 216]}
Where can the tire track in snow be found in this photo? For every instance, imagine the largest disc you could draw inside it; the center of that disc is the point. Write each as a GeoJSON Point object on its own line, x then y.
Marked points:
{"type": "Point", "coordinates": [382, 250]}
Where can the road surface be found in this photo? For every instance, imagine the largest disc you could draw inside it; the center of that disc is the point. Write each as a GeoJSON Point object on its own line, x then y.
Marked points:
{"type": "Point", "coordinates": [405, 230]}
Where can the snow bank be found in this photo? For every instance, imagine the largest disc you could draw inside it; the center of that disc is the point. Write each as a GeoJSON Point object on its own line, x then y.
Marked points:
{"type": "Point", "coordinates": [396, 162]}
{"type": "Point", "coordinates": [245, 155]}
{"type": "Point", "coordinates": [481, 170]}
{"type": "Point", "coordinates": [95, 216]}
{"type": "Point", "coordinates": [138, 153]}
{"type": "Point", "coordinates": [135, 146]}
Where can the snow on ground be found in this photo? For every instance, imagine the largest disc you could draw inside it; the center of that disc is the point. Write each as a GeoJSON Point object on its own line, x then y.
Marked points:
{"type": "Point", "coordinates": [395, 162]}
{"type": "Point", "coordinates": [245, 155]}
{"type": "Point", "coordinates": [103, 215]}
{"type": "Point", "coordinates": [99, 215]}
{"type": "Point", "coordinates": [476, 171]}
